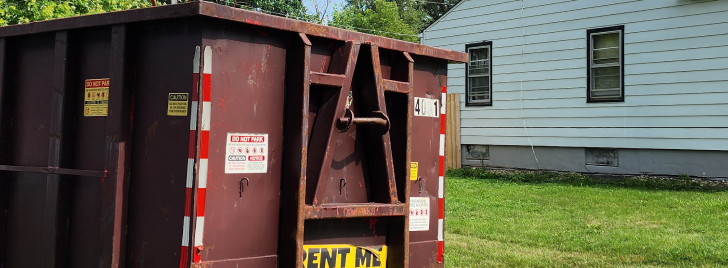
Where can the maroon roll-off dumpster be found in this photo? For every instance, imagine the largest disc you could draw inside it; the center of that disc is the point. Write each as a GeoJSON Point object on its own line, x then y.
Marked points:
{"type": "Point", "coordinates": [199, 135]}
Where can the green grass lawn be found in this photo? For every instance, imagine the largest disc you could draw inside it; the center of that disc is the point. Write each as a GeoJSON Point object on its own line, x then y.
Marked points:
{"type": "Point", "coordinates": [499, 223]}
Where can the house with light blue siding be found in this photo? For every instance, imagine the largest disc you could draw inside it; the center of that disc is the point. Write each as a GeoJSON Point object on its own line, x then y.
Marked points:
{"type": "Point", "coordinates": [613, 86]}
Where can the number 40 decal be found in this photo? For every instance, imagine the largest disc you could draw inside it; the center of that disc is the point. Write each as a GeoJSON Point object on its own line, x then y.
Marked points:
{"type": "Point", "coordinates": [427, 107]}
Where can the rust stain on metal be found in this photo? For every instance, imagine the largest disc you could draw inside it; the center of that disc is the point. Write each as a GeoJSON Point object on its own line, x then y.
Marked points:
{"type": "Point", "coordinates": [258, 56]}
{"type": "Point", "coordinates": [165, 210]}
{"type": "Point", "coordinates": [151, 132]}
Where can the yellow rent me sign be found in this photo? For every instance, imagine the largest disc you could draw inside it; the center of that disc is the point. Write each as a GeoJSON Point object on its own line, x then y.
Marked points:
{"type": "Point", "coordinates": [344, 256]}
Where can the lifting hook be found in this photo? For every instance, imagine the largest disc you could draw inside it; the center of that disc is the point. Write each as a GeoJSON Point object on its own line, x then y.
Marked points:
{"type": "Point", "coordinates": [247, 183]}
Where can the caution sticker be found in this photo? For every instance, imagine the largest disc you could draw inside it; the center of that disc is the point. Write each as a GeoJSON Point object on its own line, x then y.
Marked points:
{"type": "Point", "coordinates": [246, 153]}
{"type": "Point", "coordinates": [344, 256]}
{"type": "Point", "coordinates": [413, 171]}
{"type": "Point", "coordinates": [177, 104]}
{"type": "Point", "coordinates": [419, 218]}
{"type": "Point", "coordinates": [96, 97]}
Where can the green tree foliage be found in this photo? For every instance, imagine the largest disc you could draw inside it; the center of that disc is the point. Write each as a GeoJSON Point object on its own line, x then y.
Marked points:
{"type": "Point", "coordinates": [285, 8]}
{"type": "Point", "coordinates": [415, 15]}
{"type": "Point", "coordinates": [418, 13]}
{"type": "Point", "coordinates": [377, 17]}
{"type": "Point", "coordinates": [436, 8]}
{"type": "Point", "coordinates": [24, 11]}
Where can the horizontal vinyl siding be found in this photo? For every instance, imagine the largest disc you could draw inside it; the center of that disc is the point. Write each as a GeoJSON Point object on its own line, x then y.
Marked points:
{"type": "Point", "coordinates": [664, 122]}
{"type": "Point", "coordinates": [613, 142]}
{"type": "Point", "coordinates": [676, 73]}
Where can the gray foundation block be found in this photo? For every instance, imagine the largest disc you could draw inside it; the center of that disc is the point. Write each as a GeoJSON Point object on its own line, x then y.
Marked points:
{"type": "Point", "coordinates": [711, 164]}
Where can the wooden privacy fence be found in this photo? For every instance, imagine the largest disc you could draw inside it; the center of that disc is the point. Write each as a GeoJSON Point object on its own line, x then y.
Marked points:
{"type": "Point", "coordinates": [453, 156]}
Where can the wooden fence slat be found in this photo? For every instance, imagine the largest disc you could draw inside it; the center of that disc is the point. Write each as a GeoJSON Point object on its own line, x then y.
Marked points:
{"type": "Point", "coordinates": [452, 132]}
{"type": "Point", "coordinates": [448, 136]}
{"type": "Point", "coordinates": [457, 155]}
{"type": "Point", "coordinates": [448, 133]}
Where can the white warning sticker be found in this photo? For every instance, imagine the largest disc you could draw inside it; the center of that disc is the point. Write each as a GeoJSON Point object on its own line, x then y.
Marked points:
{"type": "Point", "coordinates": [246, 153]}
{"type": "Point", "coordinates": [419, 218]}
{"type": "Point", "coordinates": [427, 107]}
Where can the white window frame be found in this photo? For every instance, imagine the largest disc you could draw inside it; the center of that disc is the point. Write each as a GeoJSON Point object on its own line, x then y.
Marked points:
{"type": "Point", "coordinates": [468, 99]}
{"type": "Point", "coordinates": [620, 63]}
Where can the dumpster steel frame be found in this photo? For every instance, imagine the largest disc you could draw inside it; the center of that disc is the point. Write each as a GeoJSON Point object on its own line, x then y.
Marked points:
{"type": "Point", "coordinates": [118, 133]}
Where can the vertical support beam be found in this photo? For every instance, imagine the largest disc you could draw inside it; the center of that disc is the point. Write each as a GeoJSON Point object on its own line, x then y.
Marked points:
{"type": "Point", "coordinates": [296, 131]}
{"type": "Point", "coordinates": [200, 181]}
{"type": "Point", "coordinates": [192, 159]}
{"type": "Point", "coordinates": [441, 179]}
{"type": "Point", "coordinates": [301, 197]}
{"type": "Point", "coordinates": [196, 169]}
{"type": "Point", "coordinates": [3, 59]}
{"type": "Point", "coordinates": [344, 63]}
{"type": "Point", "coordinates": [52, 221]}
{"type": "Point", "coordinates": [398, 233]}
{"type": "Point", "coordinates": [386, 141]}
{"type": "Point", "coordinates": [408, 157]}
{"type": "Point", "coordinates": [118, 148]}
{"type": "Point", "coordinates": [3, 182]}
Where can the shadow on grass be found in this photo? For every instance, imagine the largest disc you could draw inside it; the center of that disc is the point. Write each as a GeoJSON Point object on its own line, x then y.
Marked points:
{"type": "Point", "coordinates": [682, 183]}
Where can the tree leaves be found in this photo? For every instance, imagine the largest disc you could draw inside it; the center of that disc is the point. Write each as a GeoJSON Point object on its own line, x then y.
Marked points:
{"type": "Point", "coordinates": [284, 8]}
{"type": "Point", "coordinates": [400, 19]}
{"type": "Point", "coordinates": [24, 11]}
{"type": "Point", "coordinates": [381, 18]}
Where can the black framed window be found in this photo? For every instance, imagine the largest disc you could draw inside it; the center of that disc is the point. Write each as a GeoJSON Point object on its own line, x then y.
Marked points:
{"type": "Point", "coordinates": [478, 82]}
{"type": "Point", "coordinates": [605, 61]}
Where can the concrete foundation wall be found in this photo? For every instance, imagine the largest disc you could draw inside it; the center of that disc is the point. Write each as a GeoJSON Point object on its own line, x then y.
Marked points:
{"type": "Point", "coordinates": [631, 161]}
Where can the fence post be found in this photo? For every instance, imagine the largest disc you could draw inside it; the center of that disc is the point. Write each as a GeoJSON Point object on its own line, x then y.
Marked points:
{"type": "Point", "coordinates": [453, 156]}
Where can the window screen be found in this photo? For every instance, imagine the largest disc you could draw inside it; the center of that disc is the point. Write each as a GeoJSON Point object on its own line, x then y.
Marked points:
{"type": "Point", "coordinates": [478, 74]}
{"type": "Point", "coordinates": [606, 71]}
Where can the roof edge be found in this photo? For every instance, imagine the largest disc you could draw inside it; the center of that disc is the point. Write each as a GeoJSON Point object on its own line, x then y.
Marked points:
{"type": "Point", "coordinates": [443, 15]}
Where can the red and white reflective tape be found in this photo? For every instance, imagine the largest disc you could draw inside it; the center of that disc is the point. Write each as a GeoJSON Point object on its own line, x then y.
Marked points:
{"type": "Point", "coordinates": [204, 150]}
{"type": "Point", "coordinates": [202, 168]}
{"type": "Point", "coordinates": [184, 257]}
{"type": "Point", "coordinates": [441, 181]}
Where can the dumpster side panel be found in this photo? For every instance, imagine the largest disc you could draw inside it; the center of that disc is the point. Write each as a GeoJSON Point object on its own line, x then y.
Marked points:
{"type": "Point", "coordinates": [120, 186]}
{"type": "Point", "coordinates": [4, 182]}
{"type": "Point", "coordinates": [423, 254]}
{"type": "Point", "coordinates": [163, 52]}
{"type": "Point", "coordinates": [29, 98]}
{"type": "Point", "coordinates": [241, 205]}
{"type": "Point", "coordinates": [89, 58]}
{"type": "Point", "coordinates": [430, 77]}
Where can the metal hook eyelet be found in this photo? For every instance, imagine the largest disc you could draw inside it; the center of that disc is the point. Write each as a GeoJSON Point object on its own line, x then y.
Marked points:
{"type": "Point", "coordinates": [419, 181]}
{"type": "Point", "coordinates": [247, 183]}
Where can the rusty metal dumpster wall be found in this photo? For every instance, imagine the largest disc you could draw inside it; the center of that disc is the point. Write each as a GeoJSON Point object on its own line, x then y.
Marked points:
{"type": "Point", "coordinates": [289, 144]}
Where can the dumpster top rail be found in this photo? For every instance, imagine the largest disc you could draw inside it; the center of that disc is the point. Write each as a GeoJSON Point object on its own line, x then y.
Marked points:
{"type": "Point", "coordinates": [227, 13]}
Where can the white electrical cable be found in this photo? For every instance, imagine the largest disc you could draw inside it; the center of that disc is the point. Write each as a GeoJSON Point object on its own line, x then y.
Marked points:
{"type": "Point", "coordinates": [523, 116]}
